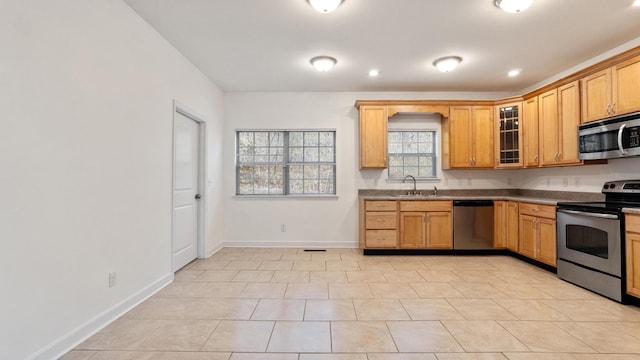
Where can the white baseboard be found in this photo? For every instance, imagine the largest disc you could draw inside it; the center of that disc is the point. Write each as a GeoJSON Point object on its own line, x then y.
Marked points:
{"type": "Point", "coordinates": [76, 336]}
{"type": "Point", "coordinates": [293, 244]}
{"type": "Point", "coordinates": [214, 250]}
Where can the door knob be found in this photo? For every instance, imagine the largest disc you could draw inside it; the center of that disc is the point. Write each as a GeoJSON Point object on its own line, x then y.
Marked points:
{"type": "Point", "coordinates": [198, 196]}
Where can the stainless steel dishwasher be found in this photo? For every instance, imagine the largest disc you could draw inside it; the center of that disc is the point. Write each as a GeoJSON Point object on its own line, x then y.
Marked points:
{"type": "Point", "coordinates": [472, 224]}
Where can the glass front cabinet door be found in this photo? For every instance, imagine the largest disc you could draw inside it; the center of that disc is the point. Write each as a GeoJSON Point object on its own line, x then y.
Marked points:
{"type": "Point", "coordinates": [508, 135]}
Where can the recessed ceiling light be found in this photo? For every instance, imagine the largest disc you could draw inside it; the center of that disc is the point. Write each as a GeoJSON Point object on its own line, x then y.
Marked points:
{"type": "Point", "coordinates": [447, 63]}
{"type": "Point", "coordinates": [374, 73]}
{"type": "Point", "coordinates": [513, 73]}
{"type": "Point", "coordinates": [513, 6]}
{"type": "Point", "coordinates": [323, 63]}
{"type": "Point", "coordinates": [325, 6]}
{"type": "Point", "coordinates": [636, 3]}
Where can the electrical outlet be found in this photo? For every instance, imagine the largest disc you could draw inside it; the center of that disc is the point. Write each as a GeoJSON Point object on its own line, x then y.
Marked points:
{"type": "Point", "coordinates": [283, 228]}
{"type": "Point", "coordinates": [112, 279]}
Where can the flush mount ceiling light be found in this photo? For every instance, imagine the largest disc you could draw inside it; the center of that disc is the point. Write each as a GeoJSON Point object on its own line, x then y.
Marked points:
{"type": "Point", "coordinates": [636, 3]}
{"type": "Point", "coordinates": [374, 72]}
{"type": "Point", "coordinates": [513, 6]}
{"type": "Point", "coordinates": [325, 6]}
{"type": "Point", "coordinates": [447, 63]}
{"type": "Point", "coordinates": [513, 73]}
{"type": "Point", "coordinates": [323, 63]}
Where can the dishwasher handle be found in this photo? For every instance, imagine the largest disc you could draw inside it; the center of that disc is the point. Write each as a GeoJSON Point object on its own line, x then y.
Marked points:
{"type": "Point", "coordinates": [474, 203]}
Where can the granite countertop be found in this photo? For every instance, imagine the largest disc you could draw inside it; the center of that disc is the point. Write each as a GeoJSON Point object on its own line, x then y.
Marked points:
{"type": "Point", "coordinates": [631, 210]}
{"type": "Point", "coordinates": [531, 196]}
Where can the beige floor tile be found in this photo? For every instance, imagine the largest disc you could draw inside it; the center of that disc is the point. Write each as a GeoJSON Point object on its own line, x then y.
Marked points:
{"type": "Point", "coordinates": [283, 276]}
{"type": "Point", "coordinates": [602, 336]}
{"type": "Point", "coordinates": [244, 265]}
{"type": "Point", "coordinates": [264, 290]}
{"type": "Point", "coordinates": [240, 336]}
{"type": "Point", "coordinates": [417, 356]}
{"type": "Point", "coordinates": [431, 309]}
{"type": "Point", "coordinates": [481, 309]}
{"type": "Point", "coordinates": [326, 256]}
{"type": "Point", "coordinates": [434, 290]}
{"type": "Point", "coordinates": [581, 310]}
{"type": "Point", "coordinates": [483, 263]}
{"type": "Point", "coordinates": [166, 335]}
{"type": "Point", "coordinates": [365, 276]}
{"type": "Point", "coordinates": [350, 291]}
{"type": "Point", "coordinates": [300, 336]}
{"type": "Point", "coordinates": [408, 265]}
{"type": "Point", "coordinates": [566, 291]}
{"type": "Point", "coordinates": [78, 355]}
{"type": "Point", "coordinates": [202, 289]}
{"type": "Point", "coordinates": [623, 312]}
{"type": "Point", "coordinates": [483, 336]}
{"type": "Point", "coordinates": [261, 356]}
{"type": "Point", "coordinates": [194, 308]}
{"type": "Point", "coordinates": [478, 290]}
{"type": "Point", "coordinates": [309, 265]}
{"type": "Point", "coordinates": [479, 276]}
{"type": "Point", "coordinates": [393, 291]}
{"type": "Point", "coordinates": [542, 336]}
{"type": "Point", "coordinates": [531, 310]}
{"type": "Point", "coordinates": [328, 277]}
{"type": "Point", "coordinates": [403, 276]}
{"type": "Point", "coordinates": [630, 327]}
{"type": "Point", "coordinates": [187, 275]}
{"type": "Point", "coordinates": [361, 337]}
{"type": "Point", "coordinates": [217, 275]}
{"type": "Point", "coordinates": [439, 276]}
{"type": "Point", "coordinates": [165, 355]}
{"type": "Point", "coordinates": [433, 337]}
{"type": "Point", "coordinates": [342, 265]}
{"type": "Point", "coordinates": [253, 276]}
{"type": "Point", "coordinates": [521, 291]}
{"type": "Point", "coordinates": [380, 309]}
{"type": "Point", "coordinates": [327, 310]}
{"type": "Point", "coordinates": [209, 264]}
{"type": "Point", "coordinates": [470, 356]}
{"type": "Point", "coordinates": [307, 291]}
{"type": "Point", "coordinates": [567, 356]}
{"type": "Point", "coordinates": [276, 265]}
{"type": "Point", "coordinates": [333, 357]}
{"type": "Point", "coordinates": [375, 265]}
{"type": "Point", "coordinates": [279, 309]}
{"type": "Point", "coordinates": [296, 257]}
{"type": "Point", "coordinates": [266, 257]}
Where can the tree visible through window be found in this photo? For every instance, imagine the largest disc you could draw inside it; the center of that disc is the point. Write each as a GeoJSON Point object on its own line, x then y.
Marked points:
{"type": "Point", "coordinates": [412, 152]}
{"type": "Point", "coordinates": [295, 162]}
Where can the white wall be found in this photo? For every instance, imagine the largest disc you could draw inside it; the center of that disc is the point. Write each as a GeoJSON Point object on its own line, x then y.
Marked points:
{"type": "Point", "coordinates": [87, 92]}
{"type": "Point", "coordinates": [322, 222]}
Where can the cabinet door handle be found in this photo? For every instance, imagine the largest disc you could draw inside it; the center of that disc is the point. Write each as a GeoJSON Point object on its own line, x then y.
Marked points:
{"type": "Point", "coordinates": [536, 159]}
{"type": "Point", "coordinates": [608, 109]}
{"type": "Point", "coordinates": [613, 108]}
{"type": "Point", "coordinates": [379, 205]}
{"type": "Point", "coordinates": [380, 220]}
{"type": "Point", "coordinates": [497, 162]}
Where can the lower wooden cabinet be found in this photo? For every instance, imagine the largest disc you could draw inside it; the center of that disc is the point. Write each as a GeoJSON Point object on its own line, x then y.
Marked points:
{"type": "Point", "coordinates": [505, 231]}
{"type": "Point", "coordinates": [537, 232]}
{"type": "Point", "coordinates": [412, 224]}
{"type": "Point", "coordinates": [632, 247]}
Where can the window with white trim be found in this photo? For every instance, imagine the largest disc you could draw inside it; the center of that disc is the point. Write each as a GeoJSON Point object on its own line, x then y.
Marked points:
{"type": "Point", "coordinates": [412, 152]}
{"type": "Point", "coordinates": [285, 162]}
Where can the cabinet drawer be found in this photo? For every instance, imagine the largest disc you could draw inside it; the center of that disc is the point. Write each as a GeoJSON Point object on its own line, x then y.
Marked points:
{"type": "Point", "coordinates": [632, 223]}
{"type": "Point", "coordinates": [381, 238]}
{"type": "Point", "coordinates": [380, 206]}
{"type": "Point", "coordinates": [381, 220]}
{"type": "Point", "coordinates": [545, 211]}
{"type": "Point", "coordinates": [430, 205]}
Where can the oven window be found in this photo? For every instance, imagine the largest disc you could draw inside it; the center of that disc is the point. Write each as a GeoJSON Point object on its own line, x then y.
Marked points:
{"type": "Point", "coordinates": [588, 240]}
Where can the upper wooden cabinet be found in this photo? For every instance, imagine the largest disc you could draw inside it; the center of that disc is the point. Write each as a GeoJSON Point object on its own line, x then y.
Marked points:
{"type": "Point", "coordinates": [612, 91]}
{"type": "Point", "coordinates": [558, 120]}
{"type": "Point", "coordinates": [373, 137]}
{"type": "Point", "coordinates": [508, 138]}
{"type": "Point", "coordinates": [469, 135]}
{"type": "Point", "coordinates": [530, 132]}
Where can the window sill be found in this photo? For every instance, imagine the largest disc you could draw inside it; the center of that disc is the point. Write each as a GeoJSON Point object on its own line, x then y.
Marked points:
{"type": "Point", "coordinates": [297, 197]}
{"type": "Point", "coordinates": [418, 180]}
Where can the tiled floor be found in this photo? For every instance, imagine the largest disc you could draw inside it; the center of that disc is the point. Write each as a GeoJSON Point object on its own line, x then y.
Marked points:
{"type": "Point", "coordinates": [287, 304]}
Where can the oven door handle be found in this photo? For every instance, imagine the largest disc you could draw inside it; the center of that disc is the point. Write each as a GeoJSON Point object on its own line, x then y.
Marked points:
{"type": "Point", "coordinates": [620, 147]}
{"type": "Point", "coordinates": [584, 213]}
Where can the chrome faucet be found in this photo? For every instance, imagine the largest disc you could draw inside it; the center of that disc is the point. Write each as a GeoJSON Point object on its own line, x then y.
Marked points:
{"type": "Point", "coordinates": [414, 192]}
{"type": "Point", "coordinates": [435, 191]}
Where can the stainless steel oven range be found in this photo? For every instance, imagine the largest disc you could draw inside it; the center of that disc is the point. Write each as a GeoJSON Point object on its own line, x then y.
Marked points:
{"type": "Point", "coordinates": [590, 239]}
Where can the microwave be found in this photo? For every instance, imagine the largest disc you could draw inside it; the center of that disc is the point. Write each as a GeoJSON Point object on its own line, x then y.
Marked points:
{"type": "Point", "coordinates": [610, 138]}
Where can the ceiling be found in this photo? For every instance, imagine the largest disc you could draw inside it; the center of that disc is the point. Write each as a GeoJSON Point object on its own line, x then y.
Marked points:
{"type": "Point", "coordinates": [265, 45]}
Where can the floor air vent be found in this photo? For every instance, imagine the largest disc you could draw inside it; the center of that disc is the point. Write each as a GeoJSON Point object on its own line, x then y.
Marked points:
{"type": "Point", "coordinates": [315, 250]}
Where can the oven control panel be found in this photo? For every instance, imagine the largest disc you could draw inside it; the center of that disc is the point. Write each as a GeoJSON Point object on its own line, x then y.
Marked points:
{"type": "Point", "coordinates": [622, 187]}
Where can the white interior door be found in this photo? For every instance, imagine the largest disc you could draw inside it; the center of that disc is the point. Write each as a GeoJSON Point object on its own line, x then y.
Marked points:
{"type": "Point", "coordinates": [185, 190]}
